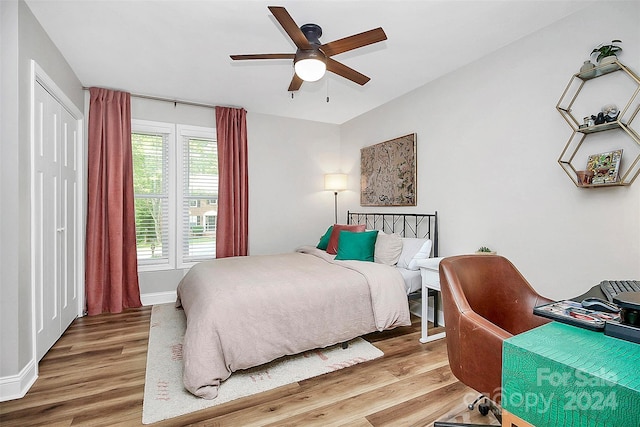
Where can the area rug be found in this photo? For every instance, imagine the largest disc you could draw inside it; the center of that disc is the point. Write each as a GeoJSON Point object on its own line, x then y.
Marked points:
{"type": "Point", "coordinates": [165, 397]}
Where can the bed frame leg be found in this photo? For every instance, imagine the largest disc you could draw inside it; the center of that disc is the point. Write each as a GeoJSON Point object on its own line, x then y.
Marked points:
{"type": "Point", "coordinates": [345, 345]}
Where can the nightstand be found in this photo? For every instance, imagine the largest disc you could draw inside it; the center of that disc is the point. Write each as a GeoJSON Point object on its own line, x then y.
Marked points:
{"type": "Point", "coordinates": [429, 270]}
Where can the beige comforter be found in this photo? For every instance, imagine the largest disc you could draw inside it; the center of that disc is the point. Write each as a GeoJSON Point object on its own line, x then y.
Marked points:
{"type": "Point", "coordinates": [245, 311]}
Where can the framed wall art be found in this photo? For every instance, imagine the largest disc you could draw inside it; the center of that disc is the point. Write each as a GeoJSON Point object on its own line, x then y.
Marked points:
{"type": "Point", "coordinates": [388, 173]}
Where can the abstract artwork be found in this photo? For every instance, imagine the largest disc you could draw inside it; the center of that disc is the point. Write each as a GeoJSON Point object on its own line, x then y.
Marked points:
{"type": "Point", "coordinates": [388, 173]}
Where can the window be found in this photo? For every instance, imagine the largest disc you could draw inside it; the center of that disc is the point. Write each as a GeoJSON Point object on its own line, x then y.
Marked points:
{"type": "Point", "coordinates": [175, 179]}
{"type": "Point", "coordinates": [199, 184]}
{"type": "Point", "coordinates": [150, 146]}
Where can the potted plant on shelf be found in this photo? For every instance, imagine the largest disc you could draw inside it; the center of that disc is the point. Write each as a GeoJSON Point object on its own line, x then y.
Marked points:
{"type": "Point", "coordinates": [483, 250]}
{"type": "Point", "coordinates": [607, 53]}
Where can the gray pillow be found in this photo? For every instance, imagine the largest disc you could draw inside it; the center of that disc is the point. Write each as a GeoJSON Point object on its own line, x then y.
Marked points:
{"type": "Point", "coordinates": [388, 248]}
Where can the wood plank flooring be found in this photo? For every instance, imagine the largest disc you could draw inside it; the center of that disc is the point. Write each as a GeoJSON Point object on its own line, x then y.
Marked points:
{"type": "Point", "coordinates": [94, 376]}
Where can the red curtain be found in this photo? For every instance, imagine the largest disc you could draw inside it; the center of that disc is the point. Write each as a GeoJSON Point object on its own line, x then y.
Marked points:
{"type": "Point", "coordinates": [111, 265]}
{"type": "Point", "coordinates": [232, 228]}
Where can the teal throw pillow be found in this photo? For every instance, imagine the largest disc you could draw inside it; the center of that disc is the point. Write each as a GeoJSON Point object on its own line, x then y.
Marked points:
{"type": "Point", "coordinates": [357, 246]}
{"type": "Point", "coordinates": [324, 240]}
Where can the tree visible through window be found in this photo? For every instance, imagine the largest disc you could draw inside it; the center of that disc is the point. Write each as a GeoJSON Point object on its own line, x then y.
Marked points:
{"type": "Point", "coordinates": [150, 176]}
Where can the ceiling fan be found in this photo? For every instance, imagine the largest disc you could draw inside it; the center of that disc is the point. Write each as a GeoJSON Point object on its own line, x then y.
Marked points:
{"type": "Point", "coordinates": [312, 58]}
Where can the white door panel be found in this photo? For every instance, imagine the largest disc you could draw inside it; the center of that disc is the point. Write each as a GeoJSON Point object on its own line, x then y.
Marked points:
{"type": "Point", "coordinates": [68, 234]}
{"type": "Point", "coordinates": [54, 220]}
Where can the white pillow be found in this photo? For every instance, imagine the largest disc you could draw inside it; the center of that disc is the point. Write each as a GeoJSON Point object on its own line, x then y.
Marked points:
{"type": "Point", "coordinates": [388, 248]}
{"type": "Point", "coordinates": [412, 251]}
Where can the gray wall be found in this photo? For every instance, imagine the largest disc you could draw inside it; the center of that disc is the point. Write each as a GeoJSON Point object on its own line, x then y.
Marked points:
{"type": "Point", "coordinates": [489, 138]}
{"type": "Point", "coordinates": [23, 39]}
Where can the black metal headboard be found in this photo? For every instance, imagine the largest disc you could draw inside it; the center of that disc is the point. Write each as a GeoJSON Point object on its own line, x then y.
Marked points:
{"type": "Point", "coordinates": [423, 226]}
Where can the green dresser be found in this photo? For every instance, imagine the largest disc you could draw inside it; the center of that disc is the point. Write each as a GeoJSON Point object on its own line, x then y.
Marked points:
{"type": "Point", "coordinates": [560, 375]}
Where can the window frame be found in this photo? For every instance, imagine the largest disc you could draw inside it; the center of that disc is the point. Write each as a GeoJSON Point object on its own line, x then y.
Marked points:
{"type": "Point", "coordinates": [176, 134]}
{"type": "Point", "coordinates": [183, 132]}
{"type": "Point", "coordinates": [168, 129]}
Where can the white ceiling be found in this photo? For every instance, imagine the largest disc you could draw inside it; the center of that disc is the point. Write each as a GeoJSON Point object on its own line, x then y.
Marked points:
{"type": "Point", "coordinates": [180, 49]}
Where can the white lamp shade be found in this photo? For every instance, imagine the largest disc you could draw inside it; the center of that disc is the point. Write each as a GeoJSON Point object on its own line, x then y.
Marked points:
{"type": "Point", "coordinates": [310, 70]}
{"type": "Point", "coordinates": [335, 181]}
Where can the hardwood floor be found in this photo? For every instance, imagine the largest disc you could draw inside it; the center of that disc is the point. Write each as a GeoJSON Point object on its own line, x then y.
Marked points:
{"type": "Point", "coordinates": [94, 376]}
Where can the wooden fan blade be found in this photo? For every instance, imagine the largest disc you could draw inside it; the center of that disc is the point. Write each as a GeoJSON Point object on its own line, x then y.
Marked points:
{"type": "Point", "coordinates": [290, 27]}
{"type": "Point", "coordinates": [353, 42]}
{"type": "Point", "coordinates": [264, 56]}
{"type": "Point", "coordinates": [295, 84]}
{"type": "Point", "coordinates": [346, 72]}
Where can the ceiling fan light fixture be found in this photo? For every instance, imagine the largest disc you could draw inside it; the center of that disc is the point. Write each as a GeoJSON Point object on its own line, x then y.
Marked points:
{"type": "Point", "coordinates": [312, 57]}
{"type": "Point", "coordinates": [310, 66]}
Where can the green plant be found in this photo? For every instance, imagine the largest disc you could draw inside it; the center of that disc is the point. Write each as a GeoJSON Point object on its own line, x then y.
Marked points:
{"type": "Point", "coordinates": [605, 50]}
{"type": "Point", "coordinates": [483, 249]}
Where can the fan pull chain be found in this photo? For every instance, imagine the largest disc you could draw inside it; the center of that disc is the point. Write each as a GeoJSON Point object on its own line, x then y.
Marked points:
{"type": "Point", "coordinates": [327, 91]}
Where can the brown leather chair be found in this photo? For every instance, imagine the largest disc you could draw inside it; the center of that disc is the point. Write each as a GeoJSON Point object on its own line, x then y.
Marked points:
{"type": "Point", "coordinates": [486, 300]}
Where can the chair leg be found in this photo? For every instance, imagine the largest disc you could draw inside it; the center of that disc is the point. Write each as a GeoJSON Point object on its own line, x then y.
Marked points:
{"type": "Point", "coordinates": [473, 404]}
{"type": "Point", "coordinates": [496, 411]}
{"type": "Point", "coordinates": [487, 406]}
{"type": "Point", "coordinates": [484, 408]}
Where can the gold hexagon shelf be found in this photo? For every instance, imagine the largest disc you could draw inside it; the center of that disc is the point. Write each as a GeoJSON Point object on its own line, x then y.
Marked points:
{"type": "Point", "coordinates": [630, 171]}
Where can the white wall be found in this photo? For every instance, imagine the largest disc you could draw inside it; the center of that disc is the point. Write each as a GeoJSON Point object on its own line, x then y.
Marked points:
{"type": "Point", "coordinates": [488, 142]}
{"type": "Point", "coordinates": [288, 158]}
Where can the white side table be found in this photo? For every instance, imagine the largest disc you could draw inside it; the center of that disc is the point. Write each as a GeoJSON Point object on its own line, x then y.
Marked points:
{"type": "Point", "coordinates": [429, 270]}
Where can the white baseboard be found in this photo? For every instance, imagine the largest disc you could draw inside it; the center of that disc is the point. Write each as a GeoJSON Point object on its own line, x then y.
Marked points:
{"type": "Point", "coordinates": [16, 386]}
{"type": "Point", "coordinates": [158, 298]}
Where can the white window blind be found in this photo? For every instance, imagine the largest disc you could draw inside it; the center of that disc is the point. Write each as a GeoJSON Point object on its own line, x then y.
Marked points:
{"type": "Point", "coordinates": [151, 189]}
{"type": "Point", "coordinates": [199, 204]}
{"type": "Point", "coordinates": [176, 193]}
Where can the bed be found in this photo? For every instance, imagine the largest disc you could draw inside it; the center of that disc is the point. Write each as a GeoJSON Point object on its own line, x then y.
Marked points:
{"type": "Point", "coordinates": [418, 227]}
{"type": "Point", "coordinates": [246, 311]}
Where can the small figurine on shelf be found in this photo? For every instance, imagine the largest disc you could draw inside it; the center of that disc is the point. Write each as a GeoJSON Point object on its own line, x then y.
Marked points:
{"type": "Point", "coordinates": [599, 119]}
{"type": "Point", "coordinates": [610, 112]}
{"type": "Point", "coordinates": [589, 121]}
{"type": "Point", "coordinates": [587, 70]}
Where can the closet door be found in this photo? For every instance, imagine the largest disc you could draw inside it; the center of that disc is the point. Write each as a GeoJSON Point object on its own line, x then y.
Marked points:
{"type": "Point", "coordinates": [67, 221]}
{"type": "Point", "coordinates": [54, 206]}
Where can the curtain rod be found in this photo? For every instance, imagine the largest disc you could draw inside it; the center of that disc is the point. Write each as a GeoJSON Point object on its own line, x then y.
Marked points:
{"type": "Point", "coordinates": [174, 101]}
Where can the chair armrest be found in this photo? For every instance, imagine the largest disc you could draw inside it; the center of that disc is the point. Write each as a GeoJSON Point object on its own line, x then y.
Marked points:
{"type": "Point", "coordinates": [478, 323]}
{"type": "Point", "coordinates": [432, 263]}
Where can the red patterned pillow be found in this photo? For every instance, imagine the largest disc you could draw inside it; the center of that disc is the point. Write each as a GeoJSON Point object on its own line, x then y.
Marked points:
{"type": "Point", "coordinates": [332, 247]}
